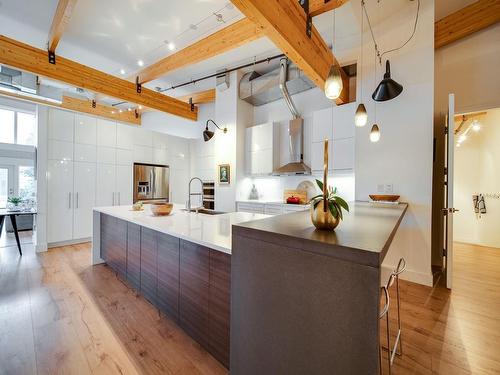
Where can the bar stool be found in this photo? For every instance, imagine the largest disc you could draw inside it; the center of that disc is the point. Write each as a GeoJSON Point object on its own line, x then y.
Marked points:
{"type": "Point", "coordinates": [392, 350]}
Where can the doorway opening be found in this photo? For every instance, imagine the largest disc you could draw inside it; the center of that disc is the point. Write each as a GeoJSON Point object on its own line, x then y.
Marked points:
{"type": "Point", "coordinates": [476, 179]}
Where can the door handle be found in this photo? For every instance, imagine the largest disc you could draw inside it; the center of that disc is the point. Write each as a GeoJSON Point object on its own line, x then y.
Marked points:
{"type": "Point", "coordinates": [113, 198]}
{"type": "Point", "coordinates": [69, 200]}
{"type": "Point", "coordinates": [119, 200]}
{"type": "Point", "coordinates": [77, 201]}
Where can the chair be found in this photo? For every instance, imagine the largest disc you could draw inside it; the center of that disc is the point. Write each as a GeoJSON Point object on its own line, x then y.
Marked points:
{"type": "Point", "coordinates": [392, 350]}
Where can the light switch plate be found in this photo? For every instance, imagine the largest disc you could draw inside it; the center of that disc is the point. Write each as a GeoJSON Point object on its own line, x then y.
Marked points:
{"type": "Point", "coordinates": [389, 188]}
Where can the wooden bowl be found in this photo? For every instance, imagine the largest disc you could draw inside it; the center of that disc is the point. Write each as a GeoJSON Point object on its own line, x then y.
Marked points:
{"type": "Point", "coordinates": [161, 209]}
{"type": "Point", "coordinates": [384, 197]}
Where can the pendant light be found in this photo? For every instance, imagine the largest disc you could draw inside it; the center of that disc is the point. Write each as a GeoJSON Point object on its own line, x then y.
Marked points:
{"type": "Point", "coordinates": [208, 134]}
{"type": "Point", "coordinates": [333, 84]}
{"type": "Point", "coordinates": [361, 116]}
{"type": "Point", "coordinates": [375, 134]}
{"type": "Point", "coordinates": [387, 89]}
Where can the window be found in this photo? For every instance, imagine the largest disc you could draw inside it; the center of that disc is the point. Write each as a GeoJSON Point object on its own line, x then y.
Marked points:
{"type": "Point", "coordinates": [17, 127]}
{"type": "Point", "coordinates": [7, 126]}
{"type": "Point", "coordinates": [27, 186]}
{"type": "Point", "coordinates": [26, 129]}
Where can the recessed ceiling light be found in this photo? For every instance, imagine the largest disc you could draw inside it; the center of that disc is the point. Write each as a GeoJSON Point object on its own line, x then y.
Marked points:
{"type": "Point", "coordinates": [171, 46]}
{"type": "Point", "coordinates": [476, 126]}
{"type": "Point", "coordinates": [129, 109]}
{"type": "Point", "coordinates": [140, 107]}
{"type": "Point", "coordinates": [140, 62]}
{"type": "Point", "coordinates": [120, 111]}
{"type": "Point", "coordinates": [122, 71]}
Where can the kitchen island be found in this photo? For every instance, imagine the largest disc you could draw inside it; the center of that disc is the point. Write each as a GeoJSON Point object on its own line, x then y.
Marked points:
{"type": "Point", "coordinates": [180, 263]}
{"type": "Point", "coordinates": [267, 295]}
{"type": "Point", "coordinates": [305, 301]}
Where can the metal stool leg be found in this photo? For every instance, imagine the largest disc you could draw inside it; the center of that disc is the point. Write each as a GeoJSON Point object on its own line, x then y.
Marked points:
{"type": "Point", "coordinates": [385, 312]}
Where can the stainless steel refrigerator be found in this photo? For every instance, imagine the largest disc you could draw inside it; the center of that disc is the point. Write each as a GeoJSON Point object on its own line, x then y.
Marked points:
{"type": "Point", "coordinates": [151, 182]}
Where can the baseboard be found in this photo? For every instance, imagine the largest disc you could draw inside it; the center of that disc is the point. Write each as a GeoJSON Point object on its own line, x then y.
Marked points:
{"type": "Point", "coordinates": [69, 242]}
{"type": "Point", "coordinates": [408, 275]}
{"type": "Point", "coordinates": [41, 248]}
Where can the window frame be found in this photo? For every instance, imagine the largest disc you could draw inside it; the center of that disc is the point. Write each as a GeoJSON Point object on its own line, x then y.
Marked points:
{"type": "Point", "coordinates": [16, 111]}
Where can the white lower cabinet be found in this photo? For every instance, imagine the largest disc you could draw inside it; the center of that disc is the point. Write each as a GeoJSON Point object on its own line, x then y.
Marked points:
{"type": "Point", "coordinates": [60, 201]}
{"type": "Point", "coordinates": [269, 208]}
{"type": "Point", "coordinates": [84, 199]}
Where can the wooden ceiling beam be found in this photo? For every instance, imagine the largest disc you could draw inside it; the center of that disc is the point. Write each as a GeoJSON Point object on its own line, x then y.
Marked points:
{"type": "Point", "coordinates": [61, 19]}
{"type": "Point", "coordinates": [25, 57]}
{"type": "Point", "coordinates": [284, 22]}
{"type": "Point", "coordinates": [201, 97]}
{"type": "Point", "coordinates": [317, 7]}
{"type": "Point", "coordinates": [83, 106]}
{"type": "Point", "coordinates": [230, 37]}
{"type": "Point", "coordinates": [466, 21]}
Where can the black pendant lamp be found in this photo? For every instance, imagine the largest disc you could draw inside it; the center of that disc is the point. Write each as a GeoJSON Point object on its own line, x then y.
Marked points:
{"type": "Point", "coordinates": [387, 89]}
{"type": "Point", "coordinates": [208, 134]}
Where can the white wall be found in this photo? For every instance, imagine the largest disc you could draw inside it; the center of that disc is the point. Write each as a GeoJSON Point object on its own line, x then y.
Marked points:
{"type": "Point", "coordinates": [476, 171]}
{"type": "Point", "coordinates": [403, 156]}
{"type": "Point", "coordinates": [178, 126]}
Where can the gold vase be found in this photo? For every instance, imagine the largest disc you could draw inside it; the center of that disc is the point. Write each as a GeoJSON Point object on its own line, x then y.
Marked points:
{"type": "Point", "coordinates": [321, 219]}
{"type": "Point", "coordinates": [321, 216]}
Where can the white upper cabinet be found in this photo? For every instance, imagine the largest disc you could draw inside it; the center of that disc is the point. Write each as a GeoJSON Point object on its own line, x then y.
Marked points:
{"type": "Point", "coordinates": [143, 137]}
{"type": "Point", "coordinates": [343, 121]}
{"type": "Point", "coordinates": [322, 125]}
{"type": "Point", "coordinates": [161, 141]}
{"type": "Point", "coordinates": [85, 129]}
{"type": "Point", "coordinates": [337, 125]}
{"type": "Point", "coordinates": [60, 150]}
{"type": "Point", "coordinates": [259, 153]}
{"type": "Point", "coordinates": [106, 155]}
{"type": "Point", "coordinates": [106, 133]}
{"type": "Point", "coordinates": [61, 125]}
{"type": "Point", "coordinates": [125, 136]}
{"type": "Point", "coordinates": [87, 153]}
{"type": "Point", "coordinates": [124, 157]}
{"type": "Point", "coordinates": [143, 154]}
{"type": "Point", "coordinates": [160, 156]}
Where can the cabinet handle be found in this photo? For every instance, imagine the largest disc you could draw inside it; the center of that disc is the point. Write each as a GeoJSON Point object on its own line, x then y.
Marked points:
{"type": "Point", "coordinates": [77, 201]}
{"type": "Point", "coordinates": [119, 199]}
{"type": "Point", "coordinates": [113, 198]}
{"type": "Point", "coordinates": [69, 200]}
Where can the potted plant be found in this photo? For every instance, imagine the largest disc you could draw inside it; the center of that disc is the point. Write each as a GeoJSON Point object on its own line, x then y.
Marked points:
{"type": "Point", "coordinates": [14, 202]}
{"type": "Point", "coordinates": [326, 208]}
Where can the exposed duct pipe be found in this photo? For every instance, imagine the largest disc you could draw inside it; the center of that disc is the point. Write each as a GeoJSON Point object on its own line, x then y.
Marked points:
{"type": "Point", "coordinates": [284, 89]}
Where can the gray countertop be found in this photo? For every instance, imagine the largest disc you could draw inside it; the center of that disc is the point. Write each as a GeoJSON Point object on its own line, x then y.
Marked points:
{"type": "Point", "coordinates": [364, 236]}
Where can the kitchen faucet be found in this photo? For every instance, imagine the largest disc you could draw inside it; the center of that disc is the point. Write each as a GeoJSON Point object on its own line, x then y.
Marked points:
{"type": "Point", "coordinates": [188, 203]}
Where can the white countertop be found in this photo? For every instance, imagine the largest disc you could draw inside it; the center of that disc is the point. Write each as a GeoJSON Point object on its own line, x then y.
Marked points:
{"type": "Point", "coordinates": [213, 231]}
{"type": "Point", "coordinates": [258, 201]}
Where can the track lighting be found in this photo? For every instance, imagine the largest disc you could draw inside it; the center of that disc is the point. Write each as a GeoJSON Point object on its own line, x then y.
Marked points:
{"type": "Point", "coordinates": [375, 133]}
{"type": "Point", "coordinates": [208, 134]}
{"type": "Point", "coordinates": [361, 116]}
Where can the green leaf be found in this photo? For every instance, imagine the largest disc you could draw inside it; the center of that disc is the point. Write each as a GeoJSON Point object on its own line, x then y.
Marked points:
{"type": "Point", "coordinates": [333, 209]}
{"type": "Point", "coordinates": [320, 184]}
{"type": "Point", "coordinates": [317, 196]}
{"type": "Point", "coordinates": [335, 191]}
{"type": "Point", "coordinates": [342, 203]}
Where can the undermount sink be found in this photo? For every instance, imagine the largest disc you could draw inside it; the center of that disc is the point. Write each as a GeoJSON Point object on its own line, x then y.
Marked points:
{"type": "Point", "coordinates": [205, 211]}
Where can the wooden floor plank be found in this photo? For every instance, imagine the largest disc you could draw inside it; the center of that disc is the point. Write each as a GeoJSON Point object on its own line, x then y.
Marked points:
{"type": "Point", "coordinates": [60, 315]}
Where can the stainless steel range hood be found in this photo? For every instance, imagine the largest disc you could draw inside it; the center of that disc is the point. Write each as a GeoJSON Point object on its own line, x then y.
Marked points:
{"type": "Point", "coordinates": [295, 165]}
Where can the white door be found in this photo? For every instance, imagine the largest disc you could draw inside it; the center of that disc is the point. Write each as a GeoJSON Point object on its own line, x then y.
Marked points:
{"type": "Point", "coordinates": [84, 199]}
{"type": "Point", "coordinates": [449, 209]}
{"type": "Point", "coordinates": [60, 201]}
{"type": "Point", "coordinates": [6, 184]}
{"type": "Point", "coordinates": [105, 185]}
{"type": "Point", "coordinates": [124, 185]}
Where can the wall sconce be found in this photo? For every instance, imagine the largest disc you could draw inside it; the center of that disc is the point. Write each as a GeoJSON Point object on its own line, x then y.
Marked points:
{"type": "Point", "coordinates": [208, 134]}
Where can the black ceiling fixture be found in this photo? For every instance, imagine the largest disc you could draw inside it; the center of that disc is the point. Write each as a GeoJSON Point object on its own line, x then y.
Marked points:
{"type": "Point", "coordinates": [387, 89]}
{"type": "Point", "coordinates": [208, 134]}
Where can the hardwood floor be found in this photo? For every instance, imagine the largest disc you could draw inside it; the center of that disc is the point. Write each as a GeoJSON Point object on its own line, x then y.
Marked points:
{"type": "Point", "coordinates": [59, 315]}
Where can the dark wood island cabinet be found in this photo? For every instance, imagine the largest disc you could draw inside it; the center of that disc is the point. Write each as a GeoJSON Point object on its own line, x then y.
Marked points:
{"type": "Point", "coordinates": [187, 282]}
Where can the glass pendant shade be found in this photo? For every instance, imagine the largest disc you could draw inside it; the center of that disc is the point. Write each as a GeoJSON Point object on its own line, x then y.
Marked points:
{"type": "Point", "coordinates": [333, 84]}
{"type": "Point", "coordinates": [361, 116]}
{"type": "Point", "coordinates": [375, 133]}
{"type": "Point", "coordinates": [387, 89]}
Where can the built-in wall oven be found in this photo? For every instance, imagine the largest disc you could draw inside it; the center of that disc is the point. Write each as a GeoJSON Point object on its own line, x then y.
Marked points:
{"type": "Point", "coordinates": [151, 182]}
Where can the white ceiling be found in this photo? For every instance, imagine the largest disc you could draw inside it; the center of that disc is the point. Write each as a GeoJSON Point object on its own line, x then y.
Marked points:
{"type": "Point", "coordinates": [114, 34]}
